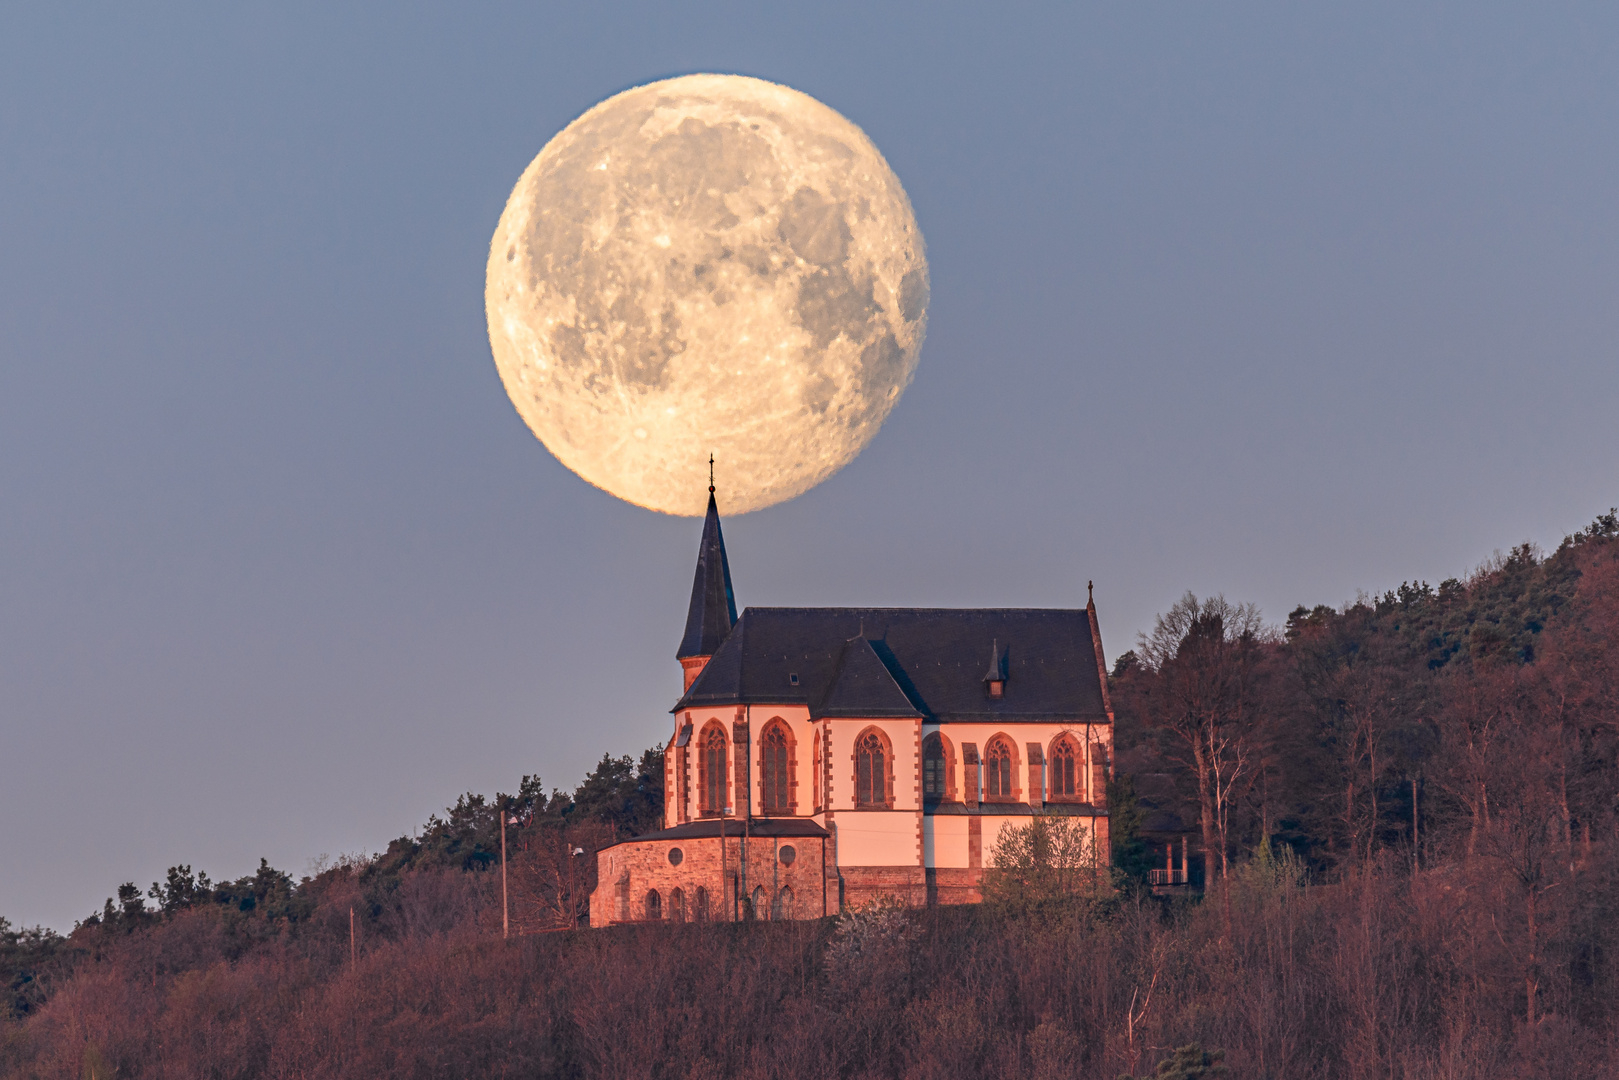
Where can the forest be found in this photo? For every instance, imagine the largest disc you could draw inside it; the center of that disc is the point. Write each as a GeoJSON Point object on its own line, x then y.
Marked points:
{"type": "Point", "coordinates": [1403, 825]}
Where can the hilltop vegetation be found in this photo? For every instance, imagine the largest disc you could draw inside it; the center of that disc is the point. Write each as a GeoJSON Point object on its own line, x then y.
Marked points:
{"type": "Point", "coordinates": [1402, 814]}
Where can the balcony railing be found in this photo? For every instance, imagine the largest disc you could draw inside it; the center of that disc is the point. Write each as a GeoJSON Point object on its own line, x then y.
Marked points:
{"type": "Point", "coordinates": [1168, 877]}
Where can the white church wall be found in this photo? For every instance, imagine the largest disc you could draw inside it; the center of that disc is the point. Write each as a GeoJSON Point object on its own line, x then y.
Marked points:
{"type": "Point", "coordinates": [876, 838]}
{"type": "Point", "coordinates": [944, 841]}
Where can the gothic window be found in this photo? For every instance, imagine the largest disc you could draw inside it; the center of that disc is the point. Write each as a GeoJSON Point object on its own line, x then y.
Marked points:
{"type": "Point", "coordinates": [654, 905]}
{"type": "Point", "coordinates": [1066, 769]}
{"type": "Point", "coordinates": [775, 770]}
{"type": "Point", "coordinates": [933, 768]}
{"type": "Point", "coordinates": [998, 770]}
{"type": "Point", "coordinates": [757, 908]}
{"type": "Point", "coordinates": [870, 771]}
{"type": "Point", "coordinates": [782, 906]}
{"type": "Point", "coordinates": [714, 771]}
{"type": "Point", "coordinates": [699, 905]}
{"type": "Point", "coordinates": [677, 905]}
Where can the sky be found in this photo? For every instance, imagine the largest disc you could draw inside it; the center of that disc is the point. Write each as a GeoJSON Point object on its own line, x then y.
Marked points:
{"type": "Point", "coordinates": [1286, 302]}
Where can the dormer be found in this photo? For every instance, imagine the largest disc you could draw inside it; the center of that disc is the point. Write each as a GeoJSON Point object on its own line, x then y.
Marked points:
{"type": "Point", "coordinates": [995, 677]}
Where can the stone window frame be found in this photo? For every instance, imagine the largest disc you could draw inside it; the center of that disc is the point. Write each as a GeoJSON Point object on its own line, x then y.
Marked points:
{"type": "Point", "coordinates": [1015, 768]}
{"type": "Point", "coordinates": [888, 769]}
{"type": "Point", "coordinates": [704, 809]}
{"type": "Point", "coordinates": [1054, 756]}
{"type": "Point", "coordinates": [680, 753]}
{"type": "Point", "coordinates": [776, 723]}
{"type": "Point", "coordinates": [949, 750]}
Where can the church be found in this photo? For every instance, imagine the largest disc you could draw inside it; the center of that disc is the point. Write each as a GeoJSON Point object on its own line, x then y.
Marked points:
{"type": "Point", "coordinates": [828, 757]}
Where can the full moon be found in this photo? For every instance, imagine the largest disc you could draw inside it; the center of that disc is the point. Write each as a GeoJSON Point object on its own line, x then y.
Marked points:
{"type": "Point", "coordinates": [707, 264]}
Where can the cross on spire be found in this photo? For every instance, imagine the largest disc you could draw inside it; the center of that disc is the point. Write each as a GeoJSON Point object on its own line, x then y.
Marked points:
{"type": "Point", "coordinates": [711, 474]}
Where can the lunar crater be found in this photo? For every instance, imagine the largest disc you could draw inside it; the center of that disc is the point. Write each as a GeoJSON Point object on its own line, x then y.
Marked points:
{"type": "Point", "coordinates": [707, 264]}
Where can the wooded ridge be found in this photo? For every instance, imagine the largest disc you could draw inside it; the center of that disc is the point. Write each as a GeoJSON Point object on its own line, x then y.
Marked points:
{"type": "Point", "coordinates": [1402, 818]}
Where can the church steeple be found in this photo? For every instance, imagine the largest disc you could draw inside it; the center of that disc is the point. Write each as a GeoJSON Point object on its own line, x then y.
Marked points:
{"type": "Point", "coordinates": [713, 604]}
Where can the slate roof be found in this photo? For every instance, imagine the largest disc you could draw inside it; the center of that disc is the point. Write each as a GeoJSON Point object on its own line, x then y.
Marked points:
{"type": "Point", "coordinates": [861, 686]}
{"type": "Point", "coordinates": [713, 604]}
{"type": "Point", "coordinates": [934, 658]}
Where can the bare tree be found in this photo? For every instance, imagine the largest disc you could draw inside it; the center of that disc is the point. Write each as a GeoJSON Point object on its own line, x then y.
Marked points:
{"type": "Point", "coordinates": [553, 873]}
{"type": "Point", "coordinates": [1204, 654]}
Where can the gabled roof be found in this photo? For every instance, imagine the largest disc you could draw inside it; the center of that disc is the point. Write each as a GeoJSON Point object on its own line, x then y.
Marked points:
{"type": "Point", "coordinates": [713, 604]}
{"type": "Point", "coordinates": [863, 687]}
{"type": "Point", "coordinates": [934, 657]}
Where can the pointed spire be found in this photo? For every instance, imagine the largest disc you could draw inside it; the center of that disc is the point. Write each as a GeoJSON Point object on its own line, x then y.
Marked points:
{"type": "Point", "coordinates": [713, 604]}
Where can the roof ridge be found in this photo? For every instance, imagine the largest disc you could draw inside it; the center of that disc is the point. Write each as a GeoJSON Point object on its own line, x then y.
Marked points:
{"type": "Point", "coordinates": [923, 610]}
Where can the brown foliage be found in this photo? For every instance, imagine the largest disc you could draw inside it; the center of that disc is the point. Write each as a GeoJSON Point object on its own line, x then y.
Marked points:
{"type": "Point", "coordinates": [1445, 762]}
{"type": "Point", "coordinates": [1377, 975]}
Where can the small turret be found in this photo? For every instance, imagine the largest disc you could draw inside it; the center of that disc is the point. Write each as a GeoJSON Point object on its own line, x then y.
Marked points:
{"type": "Point", "coordinates": [995, 677]}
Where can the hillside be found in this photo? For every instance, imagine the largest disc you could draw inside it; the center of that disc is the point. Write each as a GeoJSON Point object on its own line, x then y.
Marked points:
{"type": "Point", "coordinates": [1401, 820]}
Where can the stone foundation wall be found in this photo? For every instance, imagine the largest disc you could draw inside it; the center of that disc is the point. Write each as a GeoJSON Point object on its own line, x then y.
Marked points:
{"type": "Point", "coordinates": [955, 886]}
{"type": "Point", "coordinates": [814, 884]}
{"type": "Point", "coordinates": [626, 873]}
{"type": "Point", "coordinates": [866, 884]}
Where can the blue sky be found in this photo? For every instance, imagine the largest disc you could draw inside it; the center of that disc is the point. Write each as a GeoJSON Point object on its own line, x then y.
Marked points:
{"type": "Point", "coordinates": [1281, 301]}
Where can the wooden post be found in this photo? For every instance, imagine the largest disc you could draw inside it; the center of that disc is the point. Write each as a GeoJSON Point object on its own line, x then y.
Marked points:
{"type": "Point", "coordinates": [745, 804]}
{"type": "Point", "coordinates": [823, 877]}
{"type": "Point", "coordinates": [505, 908]}
{"type": "Point", "coordinates": [1414, 837]}
{"type": "Point", "coordinates": [351, 937]}
{"type": "Point", "coordinates": [725, 871]}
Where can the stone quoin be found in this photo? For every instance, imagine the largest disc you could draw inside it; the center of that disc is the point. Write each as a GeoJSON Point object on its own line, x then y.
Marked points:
{"type": "Point", "coordinates": [828, 757]}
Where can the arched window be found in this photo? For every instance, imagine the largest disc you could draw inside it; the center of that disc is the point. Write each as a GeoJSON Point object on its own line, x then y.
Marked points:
{"type": "Point", "coordinates": [870, 771]}
{"type": "Point", "coordinates": [998, 770]}
{"type": "Point", "coordinates": [1066, 776]}
{"type": "Point", "coordinates": [933, 767]}
{"type": "Point", "coordinates": [677, 906]}
{"type": "Point", "coordinates": [782, 906]}
{"type": "Point", "coordinates": [714, 759]}
{"type": "Point", "coordinates": [654, 904]}
{"type": "Point", "coordinates": [757, 907]}
{"type": "Point", "coordinates": [775, 771]}
{"type": "Point", "coordinates": [699, 905]}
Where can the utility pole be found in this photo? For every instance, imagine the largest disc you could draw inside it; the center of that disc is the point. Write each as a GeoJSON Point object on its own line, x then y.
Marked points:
{"type": "Point", "coordinates": [725, 870]}
{"type": "Point", "coordinates": [505, 909]}
{"type": "Point", "coordinates": [747, 781]}
{"type": "Point", "coordinates": [1415, 841]}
